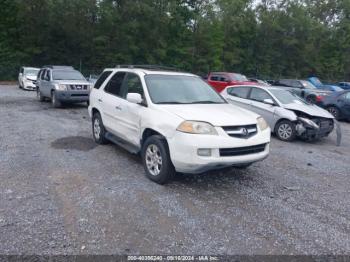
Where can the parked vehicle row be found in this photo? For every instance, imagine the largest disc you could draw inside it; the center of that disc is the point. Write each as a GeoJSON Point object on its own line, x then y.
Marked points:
{"type": "Point", "coordinates": [177, 122]}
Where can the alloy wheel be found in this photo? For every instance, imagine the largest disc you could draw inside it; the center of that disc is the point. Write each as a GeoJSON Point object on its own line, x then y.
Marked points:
{"type": "Point", "coordinates": [333, 111]}
{"type": "Point", "coordinates": [97, 128]}
{"type": "Point", "coordinates": [285, 131]}
{"type": "Point", "coordinates": [153, 160]}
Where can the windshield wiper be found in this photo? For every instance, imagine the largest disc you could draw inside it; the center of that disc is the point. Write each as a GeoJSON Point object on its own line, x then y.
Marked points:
{"type": "Point", "coordinates": [205, 102]}
{"type": "Point", "coordinates": [170, 103]}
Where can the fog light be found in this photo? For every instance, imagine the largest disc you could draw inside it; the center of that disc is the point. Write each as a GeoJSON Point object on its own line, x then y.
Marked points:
{"type": "Point", "coordinates": [204, 152]}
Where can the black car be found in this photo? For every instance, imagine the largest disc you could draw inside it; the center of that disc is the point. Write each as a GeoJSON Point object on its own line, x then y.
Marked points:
{"type": "Point", "coordinates": [338, 104]}
{"type": "Point", "coordinates": [303, 89]}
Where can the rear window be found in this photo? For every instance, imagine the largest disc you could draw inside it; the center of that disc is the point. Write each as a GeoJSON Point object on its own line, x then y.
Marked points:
{"type": "Point", "coordinates": [102, 78]}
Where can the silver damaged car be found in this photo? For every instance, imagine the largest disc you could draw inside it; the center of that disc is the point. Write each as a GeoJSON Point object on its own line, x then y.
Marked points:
{"type": "Point", "coordinates": [288, 115]}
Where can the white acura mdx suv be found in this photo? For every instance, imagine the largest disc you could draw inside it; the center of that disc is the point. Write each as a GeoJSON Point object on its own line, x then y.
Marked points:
{"type": "Point", "coordinates": [175, 120]}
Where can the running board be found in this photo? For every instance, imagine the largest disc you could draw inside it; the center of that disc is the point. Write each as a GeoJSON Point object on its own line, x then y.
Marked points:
{"type": "Point", "coordinates": [122, 143]}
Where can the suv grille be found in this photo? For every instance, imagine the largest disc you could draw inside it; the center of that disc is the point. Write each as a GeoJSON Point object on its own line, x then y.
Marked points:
{"type": "Point", "coordinates": [78, 87]}
{"type": "Point", "coordinates": [241, 131]}
{"type": "Point", "coordinates": [239, 151]}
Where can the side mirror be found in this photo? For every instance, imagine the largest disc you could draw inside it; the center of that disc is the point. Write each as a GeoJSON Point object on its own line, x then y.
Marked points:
{"type": "Point", "coordinates": [269, 101]}
{"type": "Point", "coordinates": [134, 98]}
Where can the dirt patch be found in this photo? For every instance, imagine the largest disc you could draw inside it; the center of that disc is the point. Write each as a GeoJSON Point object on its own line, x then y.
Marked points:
{"type": "Point", "coordinates": [79, 143]}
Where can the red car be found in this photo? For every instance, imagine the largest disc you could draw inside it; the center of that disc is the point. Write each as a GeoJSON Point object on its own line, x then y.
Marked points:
{"type": "Point", "coordinates": [220, 80]}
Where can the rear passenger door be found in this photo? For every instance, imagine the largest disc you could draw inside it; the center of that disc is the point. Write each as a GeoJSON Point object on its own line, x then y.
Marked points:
{"type": "Point", "coordinates": [239, 96]}
{"type": "Point", "coordinates": [111, 99]}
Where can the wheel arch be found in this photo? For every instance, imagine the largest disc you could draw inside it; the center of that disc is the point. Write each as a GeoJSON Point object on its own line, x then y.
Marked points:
{"type": "Point", "coordinates": [280, 120]}
{"type": "Point", "coordinates": [147, 132]}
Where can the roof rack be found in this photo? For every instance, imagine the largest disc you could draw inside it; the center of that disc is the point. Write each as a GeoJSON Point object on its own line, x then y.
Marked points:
{"type": "Point", "coordinates": [58, 67]}
{"type": "Point", "coordinates": [149, 67]}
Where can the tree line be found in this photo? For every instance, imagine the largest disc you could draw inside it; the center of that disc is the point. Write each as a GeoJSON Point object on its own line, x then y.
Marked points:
{"type": "Point", "coordinates": [261, 38]}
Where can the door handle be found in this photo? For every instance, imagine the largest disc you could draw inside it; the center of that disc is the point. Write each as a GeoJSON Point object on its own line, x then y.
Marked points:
{"type": "Point", "coordinates": [99, 100]}
{"type": "Point", "coordinates": [118, 108]}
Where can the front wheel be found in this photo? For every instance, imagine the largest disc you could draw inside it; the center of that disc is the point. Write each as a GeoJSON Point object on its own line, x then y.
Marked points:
{"type": "Point", "coordinates": [156, 160]}
{"type": "Point", "coordinates": [285, 130]}
{"type": "Point", "coordinates": [54, 100]}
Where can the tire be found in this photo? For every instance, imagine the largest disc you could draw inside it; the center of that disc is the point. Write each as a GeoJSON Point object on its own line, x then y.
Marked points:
{"type": "Point", "coordinates": [334, 111]}
{"type": "Point", "coordinates": [311, 99]}
{"type": "Point", "coordinates": [285, 130]}
{"type": "Point", "coordinates": [156, 160]}
{"type": "Point", "coordinates": [39, 95]}
{"type": "Point", "coordinates": [98, 129]}
{"type": "Point", "coordinates": [54, 101]}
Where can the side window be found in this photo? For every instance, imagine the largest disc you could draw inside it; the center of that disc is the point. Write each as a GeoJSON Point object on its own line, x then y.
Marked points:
{"type": "Point", "coordinates": [133, 84]}
{"type": "Point", "coordinates": [114, 86]}
{"type": "Point", "coordinates": [102, 78]}
{"type": "Point", "coordinates": [222, 79]}
{"type": "Point", "coordinates": [241, 92]}
{"type": "Point", "coordinates": [214, 78]}
{"type": "Point", "coordinates": [259, 95]}
{"type": "Point", "coordinates": [47, 75]}
{"type": "Point", "coordinates": [284, 82]}
{"type": "Point", "coordinates": [43, 73]}
{"type": "Point", "coordinates": [22, 70]}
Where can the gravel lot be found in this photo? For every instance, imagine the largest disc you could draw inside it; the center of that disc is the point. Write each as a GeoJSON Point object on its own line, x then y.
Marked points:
{"type": "Point", "coordinates": [60, 193]}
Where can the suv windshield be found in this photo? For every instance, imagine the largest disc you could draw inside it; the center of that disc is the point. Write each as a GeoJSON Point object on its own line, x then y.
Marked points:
{"type": "Point", "coordinates": [67, 75]}
{"type": "Point", "coordinates": [32, 72]}
{"type": "Point", "coordinates": [179, 89]}
{"type": "Point", "coordinates": [286, 97]}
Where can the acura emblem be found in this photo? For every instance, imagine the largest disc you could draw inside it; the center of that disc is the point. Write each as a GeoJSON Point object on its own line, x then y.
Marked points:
{"type": "Point", "coordinates": [245, 131]}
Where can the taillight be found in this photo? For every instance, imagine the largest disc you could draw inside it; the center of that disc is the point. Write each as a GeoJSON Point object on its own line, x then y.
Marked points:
{"type": "Point", "coordinates": [319, 98]}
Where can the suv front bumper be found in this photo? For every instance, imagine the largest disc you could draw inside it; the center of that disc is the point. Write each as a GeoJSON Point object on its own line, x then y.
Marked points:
{"type": "Point", "coordinates": [72, 96]}
{"type": "Point", "coordinates": [184, 151]}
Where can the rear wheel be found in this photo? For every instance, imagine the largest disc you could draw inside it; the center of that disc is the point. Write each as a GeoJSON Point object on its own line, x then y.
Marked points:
{"type": "Point", "coordinates": [334, 111]}
{"type": "Point", "coordinates": [285, 130]}
{"type": "Point", "coordinates": [156, 160]}
{"type": "Point", "coordinates": [311, 99]}
{"type": "Point", "coordinates": [39, 95]}
{"type": "Point", "coordinates": [98, 129]}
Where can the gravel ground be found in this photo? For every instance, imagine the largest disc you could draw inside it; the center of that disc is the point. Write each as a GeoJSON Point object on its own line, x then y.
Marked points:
{"type": "Point", "coordinates": [60, 193]}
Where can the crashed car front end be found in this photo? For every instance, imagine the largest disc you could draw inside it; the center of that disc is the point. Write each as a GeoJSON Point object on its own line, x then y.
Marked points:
{"type": "Point", "coordinates": [312, 128]}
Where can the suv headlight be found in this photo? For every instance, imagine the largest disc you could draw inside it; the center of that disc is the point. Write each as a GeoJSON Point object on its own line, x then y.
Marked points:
{"type": "Point", "coordinates": [61, 87]}
{"type": "Point", "coordinates": [195, 127]}
{"type": "Point", "coordinates": [262, 124]}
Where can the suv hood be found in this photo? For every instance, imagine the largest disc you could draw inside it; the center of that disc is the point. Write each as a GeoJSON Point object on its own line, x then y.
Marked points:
{"type": "Point", "coordinates": [72, 82]}
{"type": "Point", "coordinates": [311, 110]}
{"type": "Point", "coordinates": [215, 114]}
